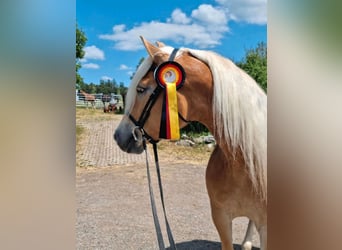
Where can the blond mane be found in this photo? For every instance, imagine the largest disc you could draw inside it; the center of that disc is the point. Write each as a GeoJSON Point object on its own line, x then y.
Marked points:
{"type": "Point", "coordinates": [240, 114]}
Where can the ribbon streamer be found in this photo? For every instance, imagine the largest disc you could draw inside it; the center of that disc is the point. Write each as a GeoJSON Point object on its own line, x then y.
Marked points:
{"type": "Point", "coordinates": [170, 76]}
{"type": "Point", "coordinates": [172, 123]}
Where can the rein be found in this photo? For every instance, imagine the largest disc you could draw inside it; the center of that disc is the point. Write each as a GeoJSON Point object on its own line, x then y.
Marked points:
{"type": "Point", "coordinates": [153, 205]}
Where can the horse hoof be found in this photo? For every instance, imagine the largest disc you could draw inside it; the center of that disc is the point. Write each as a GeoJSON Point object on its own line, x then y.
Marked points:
{"type": "Point", "coordinates": [247, 246]}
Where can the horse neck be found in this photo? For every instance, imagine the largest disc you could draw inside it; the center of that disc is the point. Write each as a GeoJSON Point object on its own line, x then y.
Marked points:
{"type": "Point", "coordinates": [195, 96]}
{"type": "Point", "coordinates": [200, 109]}
{"type": "Point", "coordinates": [199, 106]}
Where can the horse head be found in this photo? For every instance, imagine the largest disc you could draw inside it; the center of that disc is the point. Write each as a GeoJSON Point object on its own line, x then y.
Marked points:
{"type": "Point", "coordinates": [144, 105]}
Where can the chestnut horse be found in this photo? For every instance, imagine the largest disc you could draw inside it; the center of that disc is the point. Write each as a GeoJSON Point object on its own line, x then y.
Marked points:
{"type": "Point", "coordinates": [88, 98]}
{"type": "Point", "coordinates": [236, 175]}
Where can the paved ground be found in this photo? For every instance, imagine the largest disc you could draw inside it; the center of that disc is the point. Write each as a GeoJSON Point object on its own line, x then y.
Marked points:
{"type": "Point", "coordinates": [99, 148]}
{"type": "Point", "coordinates": [113, 209]}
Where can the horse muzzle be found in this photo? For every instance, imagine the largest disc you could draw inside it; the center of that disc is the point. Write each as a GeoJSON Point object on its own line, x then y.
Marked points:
{"type": "Point", "coordinates": [129, 138]}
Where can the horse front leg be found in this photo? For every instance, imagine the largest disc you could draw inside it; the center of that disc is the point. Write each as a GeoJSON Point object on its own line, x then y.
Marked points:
{"type": "Point", "coordinates": [215, 179]}
{"type": "Point", "coordinates": [223, 224]}
{"type": "Point", "coordinates": [263, 237]}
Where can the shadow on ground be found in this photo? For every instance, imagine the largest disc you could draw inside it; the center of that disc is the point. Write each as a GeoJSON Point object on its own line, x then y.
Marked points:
{"type": "Point", "coordinates": [204, 245]}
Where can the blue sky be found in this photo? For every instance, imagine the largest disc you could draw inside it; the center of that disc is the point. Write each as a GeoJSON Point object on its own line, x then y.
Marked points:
{"type": "Point", "coordinates": [113, 49]}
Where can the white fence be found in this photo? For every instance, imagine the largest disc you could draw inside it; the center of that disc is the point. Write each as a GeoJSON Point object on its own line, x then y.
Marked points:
{"type": "Point", "coordinates": [80, 102]}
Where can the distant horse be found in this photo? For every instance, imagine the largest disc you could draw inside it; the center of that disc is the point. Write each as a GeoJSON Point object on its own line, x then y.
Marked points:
{"type": "Point", "coordinates": [110, 108]}
{"type": "Point", "coordinates": [88, 98]}
{"type": "Point", "coordinates": [106, 98]}
{"type": "Point", "coordinates": [233, 107]}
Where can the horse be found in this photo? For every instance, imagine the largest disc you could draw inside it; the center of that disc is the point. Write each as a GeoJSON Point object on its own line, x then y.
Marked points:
{"type": "Point", "coordinates": [106, 98]}
{"type": "Point", "coordinates": [233, 107]}
{"type": "Point", "coordinates": [110, 108]}
{"type": "Point", "coordinates": [88, 98]}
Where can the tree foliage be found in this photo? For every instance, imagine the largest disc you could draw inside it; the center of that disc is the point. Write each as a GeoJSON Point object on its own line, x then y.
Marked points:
{"type": "Point", "coordinates": [81, 40]}
{"type": "Point", "coordinates": [105, 87]}
{"type": "Point", "coordinates": [255, 64]}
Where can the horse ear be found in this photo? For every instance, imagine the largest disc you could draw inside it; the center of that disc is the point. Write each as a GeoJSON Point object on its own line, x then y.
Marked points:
{"type": "Point", "coordinates": [160, 44]}
{"type": "Point", "coordinates": [151, 49]}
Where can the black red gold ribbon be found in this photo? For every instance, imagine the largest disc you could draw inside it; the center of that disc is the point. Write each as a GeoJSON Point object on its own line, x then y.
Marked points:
{"type": "Point", "coordinates": [170, 76]}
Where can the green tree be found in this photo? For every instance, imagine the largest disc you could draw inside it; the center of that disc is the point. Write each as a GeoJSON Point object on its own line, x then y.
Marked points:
{"type": "Point", "coordinates": [255, 64]}
{"type": "Point", "coordinates": [81, 40]}
{"type": "Point", "coordinates": [107, 86]}
{"type": "Point", "coordinates": [122, 90]}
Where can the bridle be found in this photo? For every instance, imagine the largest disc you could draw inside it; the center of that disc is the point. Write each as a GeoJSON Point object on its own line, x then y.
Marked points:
{"type": "Point", "coordinates": [139, 124]}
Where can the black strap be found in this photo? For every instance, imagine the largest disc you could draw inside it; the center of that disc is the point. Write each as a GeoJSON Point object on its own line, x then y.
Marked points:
{"type": "Point", "coordinates": [147, 109]}
{"type": "Point", "coordinates": [184, 120]}
{"type": "Point", "coordinates": [173, 54]}
{"type": "Point", "coordinates": [153, 205]}
{"type": "Point", "coordinates": [168, 229]}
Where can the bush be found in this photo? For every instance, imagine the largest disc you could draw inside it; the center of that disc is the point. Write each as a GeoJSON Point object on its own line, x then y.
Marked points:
{"type": "Point", "coordinates": [195, 128]}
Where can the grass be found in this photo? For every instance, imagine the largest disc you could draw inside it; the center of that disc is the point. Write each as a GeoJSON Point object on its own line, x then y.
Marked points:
{"type": "Point", "coordinates": [80, 133]}
{"type": "Point", "coordinates": [94, 115]}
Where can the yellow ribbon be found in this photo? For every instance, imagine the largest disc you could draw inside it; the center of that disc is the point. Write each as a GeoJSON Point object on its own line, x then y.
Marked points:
{"type": "Point", "coordinates": [172, 111]}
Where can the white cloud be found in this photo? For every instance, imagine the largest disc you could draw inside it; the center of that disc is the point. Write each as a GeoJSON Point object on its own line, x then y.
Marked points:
{"type": "Point", "coordinates": [180, 17]}
{"type": "Point", "coordinates": [201, 31]}
{"type": "Point", "coordinates": [91, 66]}
{"type": "Point", "coordinates": [154, 31]}
{"type": "Point", "coordinates": [92, 52]}
{"type": "Point", "coordinates": [106, 78]}
{"type": "Point", "coordinates": [204, 28]}
{"type": "Point", "coordinates": [250, 11]}
{"type": "Point", "coordinates": [124, 67]}
{"type": "Point", "coordinates": [209, 15]}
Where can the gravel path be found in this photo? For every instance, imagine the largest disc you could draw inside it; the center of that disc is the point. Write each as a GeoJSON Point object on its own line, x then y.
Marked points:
{"type": "Point", "coordinates": [99, 148]}
{"type": "Point", "coordinates": [113, 207]}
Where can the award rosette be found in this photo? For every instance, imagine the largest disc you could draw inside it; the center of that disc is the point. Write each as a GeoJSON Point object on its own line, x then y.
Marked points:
{"type": "Point", "coordinates": [170, 76]}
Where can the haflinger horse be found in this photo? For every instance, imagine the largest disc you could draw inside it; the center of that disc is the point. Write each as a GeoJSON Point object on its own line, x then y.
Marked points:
{"type": "Point", "coordinates": [88, 98]}
{"type": "Point", "coordinates": [236, 175]}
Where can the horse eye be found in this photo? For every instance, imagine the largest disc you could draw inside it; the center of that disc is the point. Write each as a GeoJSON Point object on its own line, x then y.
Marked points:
{"type": "Point", "coordinates": [140, 90]}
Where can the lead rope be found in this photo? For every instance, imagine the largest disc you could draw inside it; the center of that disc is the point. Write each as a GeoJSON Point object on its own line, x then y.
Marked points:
{"type": "Point", "coordinates": [153, 205]}
{"type": "Point", "coordinates": [168, 229]}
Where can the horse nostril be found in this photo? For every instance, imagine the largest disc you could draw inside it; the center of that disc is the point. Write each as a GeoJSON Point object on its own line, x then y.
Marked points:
{"type": "Point", "coordinates": [116, 136]}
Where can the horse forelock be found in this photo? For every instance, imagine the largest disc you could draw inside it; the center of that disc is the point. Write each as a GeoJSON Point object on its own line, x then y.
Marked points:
{"type": "Point", "coordinates": [240, 114]}
{"type": "Point", "coordinates": [139, 74]}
